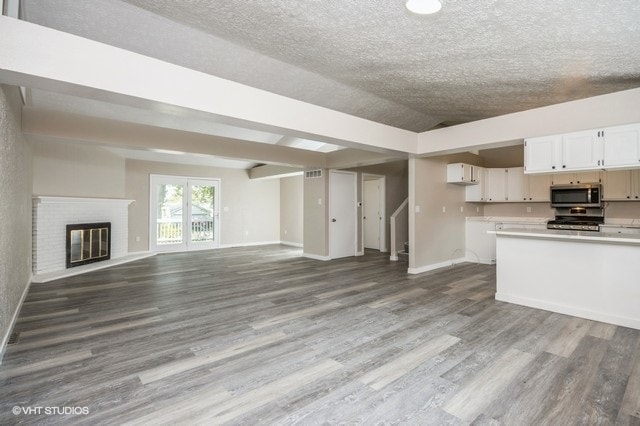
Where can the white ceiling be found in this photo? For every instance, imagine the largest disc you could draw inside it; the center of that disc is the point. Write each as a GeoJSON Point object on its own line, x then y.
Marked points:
{"type": "Point", "coordinates": [373, 59]}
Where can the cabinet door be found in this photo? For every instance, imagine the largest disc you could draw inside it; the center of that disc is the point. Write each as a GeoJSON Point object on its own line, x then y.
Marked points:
{"type": "Point", "coordinates": [542, 154]}
{"type": "Point", "coordinates": [617, 185]}
{"type": "Point", "coordinates": [515, 184]}
{"type": "Point", "coordinates": [581, 150]}
{"type": "Point", "coordinates": [496, 185]}
{"type": "Point", "coordinates": [477, 192]}
{"type": "Point", "coordinates": [622, 146]}
{"type": "Point", "coordinates": [538, 188]}
{"type": "Point", "coordinates": [635, 184]}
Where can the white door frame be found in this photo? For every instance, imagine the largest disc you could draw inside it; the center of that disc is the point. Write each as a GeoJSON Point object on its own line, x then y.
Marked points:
{"type": "Point", "coordinates": [383, 210]}
{"type": "Point", "coordinates": [355, 209]}
{"type": "Point", "coordinates": [155, 179]}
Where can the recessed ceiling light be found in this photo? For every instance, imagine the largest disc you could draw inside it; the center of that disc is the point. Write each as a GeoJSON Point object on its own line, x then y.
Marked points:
{"type": "Point", "coordinates": [424, 7]}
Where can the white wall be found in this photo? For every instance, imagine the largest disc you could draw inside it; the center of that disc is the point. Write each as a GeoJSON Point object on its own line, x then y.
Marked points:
{"type": "Point", "coordinates": [76, 170]}
{"type": "Point", "coordinates": [291, 210]}
{"type": "Point", "coordinates": [15, 210]}
{"type": "Point", "coordinates": [436, 238]}
{"type": "Point", "coordinates": [250, 212]}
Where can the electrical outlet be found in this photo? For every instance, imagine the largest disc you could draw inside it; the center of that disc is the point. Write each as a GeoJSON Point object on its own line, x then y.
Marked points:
{"type": "Point", "coordinates": [417, 209]}
{"type": "Point", "coordinates": [477, 209]}
{"type": "Point", "coordinates": [444, 209]}
{"type": "Point", "coordinates": [137, 239]}
{"type": "Point", "coordinates": [319, 201]}
{"type": "Point", "coordinates": [528, 209]}
{"type": "Point", "coordinates": [461, 209]}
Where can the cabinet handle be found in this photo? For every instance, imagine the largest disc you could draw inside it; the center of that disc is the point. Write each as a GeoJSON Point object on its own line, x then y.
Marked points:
{"type": "Point", "coordinates": [598, 162]}
{"type": "Point", "coordinates": [564, 166]}
{"type": "Point", "coordinates": [628, 196]}
{"type": "Point", "coordinates": [554, 167]}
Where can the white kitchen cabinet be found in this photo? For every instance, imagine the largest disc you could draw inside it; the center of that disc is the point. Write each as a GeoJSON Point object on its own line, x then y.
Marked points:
{"type": "Point", "coordinates": [516, 190]}
{"type": "Point", "coordinates": [480, 241]}
{"type": "Point", "coordinates": [605, 148]}
{"type": "Point", "coordinates": [622, 146]}
{"type": "Point", "coordinates": [463, 174]}
{"type": "Point", "coordinates": [496, 188]}
{"type": "Point", "coordinates": [542, 154]}
{"type": "Point", "coordinates": [477, 193]}
{"type": "Point", "coordinates": [581, 150]}
{"type": "Point", "coordinates": [621, 185]}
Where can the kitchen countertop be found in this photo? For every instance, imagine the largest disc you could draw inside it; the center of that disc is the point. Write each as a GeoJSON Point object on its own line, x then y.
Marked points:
{"type": "Point", "coordinates": [527, 220]}
{"type": "Point", "coordinates": [565, 235]}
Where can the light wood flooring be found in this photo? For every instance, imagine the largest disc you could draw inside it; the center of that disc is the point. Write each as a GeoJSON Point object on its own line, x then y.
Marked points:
{"type": "Point", "coordinates": [264, 336]}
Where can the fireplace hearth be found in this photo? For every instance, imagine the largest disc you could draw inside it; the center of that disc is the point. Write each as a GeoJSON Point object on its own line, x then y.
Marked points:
{"type": "Point", "coordinates": [88, 243]}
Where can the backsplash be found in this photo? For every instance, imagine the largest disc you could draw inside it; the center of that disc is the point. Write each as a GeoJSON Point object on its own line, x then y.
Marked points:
{"type": "Point", "coordinates": [613, 209]}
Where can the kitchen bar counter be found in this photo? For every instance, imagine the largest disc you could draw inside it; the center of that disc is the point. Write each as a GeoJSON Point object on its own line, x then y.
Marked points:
{"type": "Point", "coordinates": [593, 275]}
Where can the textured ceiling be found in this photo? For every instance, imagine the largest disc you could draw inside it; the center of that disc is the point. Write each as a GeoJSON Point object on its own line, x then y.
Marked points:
{"type": "Point", "coordinates": [475, 59]}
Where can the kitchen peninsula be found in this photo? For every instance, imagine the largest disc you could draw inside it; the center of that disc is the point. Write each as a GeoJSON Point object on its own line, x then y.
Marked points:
{"type": "Point", "coordinates": [593, 275]}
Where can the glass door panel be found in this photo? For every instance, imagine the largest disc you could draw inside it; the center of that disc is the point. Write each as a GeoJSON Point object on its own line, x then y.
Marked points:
{"type": "Point", "coordinates": [169, 216]}
{"type": "Point", "coordinates": [203, 212]}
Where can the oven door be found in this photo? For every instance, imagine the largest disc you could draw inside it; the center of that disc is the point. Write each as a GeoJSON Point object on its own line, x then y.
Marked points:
{"type": "Point", "coordinates": [575, 196]}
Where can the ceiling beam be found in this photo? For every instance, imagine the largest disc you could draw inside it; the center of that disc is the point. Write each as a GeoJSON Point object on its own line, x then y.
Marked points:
{"type": "Point", "coordinates": [73, 127]}
{"type": "Point", "coordinates": [35, 56]}
{"type": "Point", "coordinates": [510, 129]}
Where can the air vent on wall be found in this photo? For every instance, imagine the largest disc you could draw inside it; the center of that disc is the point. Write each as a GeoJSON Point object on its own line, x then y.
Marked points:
{"type": "Point", "coordinates": [311, 174]}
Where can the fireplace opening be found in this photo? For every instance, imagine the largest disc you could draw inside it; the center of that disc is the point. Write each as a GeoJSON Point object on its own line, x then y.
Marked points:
{"type": "Point", "coordinates": [88, 243]}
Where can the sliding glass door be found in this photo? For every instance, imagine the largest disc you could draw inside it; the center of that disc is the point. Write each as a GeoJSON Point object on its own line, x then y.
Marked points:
{"type": "Point", "coordinates": [184, 213]}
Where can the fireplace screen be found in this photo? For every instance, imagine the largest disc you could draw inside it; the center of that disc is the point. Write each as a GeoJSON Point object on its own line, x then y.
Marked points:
{"type": "Point", "coordinates": [88, 243]}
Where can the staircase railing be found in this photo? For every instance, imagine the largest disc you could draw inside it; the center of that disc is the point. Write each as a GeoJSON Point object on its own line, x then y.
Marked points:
{"type": "Point", "coordinates": [399, 229]}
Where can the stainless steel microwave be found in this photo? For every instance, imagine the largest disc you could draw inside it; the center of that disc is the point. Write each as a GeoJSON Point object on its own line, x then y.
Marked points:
{"type": "Point", "coordinates": [582, 195]}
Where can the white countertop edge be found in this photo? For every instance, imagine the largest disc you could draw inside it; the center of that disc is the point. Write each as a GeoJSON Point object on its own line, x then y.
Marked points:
{"type": "Point", "coordinates": [561, 235]}
{"type": "Point", "coordinates": [525, 220]}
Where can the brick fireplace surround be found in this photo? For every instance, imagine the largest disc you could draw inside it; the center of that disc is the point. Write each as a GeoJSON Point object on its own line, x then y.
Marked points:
{"type": "Point", "coordinates": [52, 214]}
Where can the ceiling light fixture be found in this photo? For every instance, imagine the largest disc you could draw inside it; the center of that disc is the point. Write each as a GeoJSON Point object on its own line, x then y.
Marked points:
{"type": "Point", "coordinates": [424, 7]}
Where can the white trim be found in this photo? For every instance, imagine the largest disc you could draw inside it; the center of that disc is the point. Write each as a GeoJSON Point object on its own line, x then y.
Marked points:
{"type": "Point", "coordinates": [570, 310]}
{"type": "Point", "coordinates": [292, 244]}
{"type": "Point", "coordinates": [14, 319]}
{"type": "Point", "coordinates": [393, 258]}
{"type": "Point", "coordinates": [360, 253]}
{"type": "Point", "coordinates": [57, 200]}
{"type": "Point", "coordinates": [70, 272]}
{"type": "Point", "coordinates": [433, 266]}
{"type": "Point", "coordinates": [315, 256]}
{"type": "Point", "coordinates": [257, 243]}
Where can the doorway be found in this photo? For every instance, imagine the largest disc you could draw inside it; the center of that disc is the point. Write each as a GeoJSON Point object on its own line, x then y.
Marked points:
{"type": "Point", "coordinates": [373, 212]}
{"type": "Point", "coordinates": [184, 213]}
{"type": "Point", "coordinates": [342, 214]}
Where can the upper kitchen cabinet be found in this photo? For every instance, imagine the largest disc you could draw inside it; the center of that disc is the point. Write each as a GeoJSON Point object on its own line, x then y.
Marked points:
{"type": "Point", "coordinates": [610, 148]}
{"type": "Point", "coordinates": [581, 151]}
{"type": "Point", "coordinates": [496, 187]}
{"type": "Point", "coordinates": [621, 146]}
{"type": "Point", "coordinates": [464, 174]}
{"type": "Point", "coordinates": [542, 154]}
{"type": "Point", "coordinates": [477, 192]}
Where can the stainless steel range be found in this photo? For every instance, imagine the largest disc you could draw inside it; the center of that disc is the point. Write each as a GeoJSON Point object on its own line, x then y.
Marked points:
{"type": "Point", "coordinates": [577, 219]}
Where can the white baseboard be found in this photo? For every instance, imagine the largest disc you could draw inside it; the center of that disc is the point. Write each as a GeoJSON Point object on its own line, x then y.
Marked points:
{"type": "Point", "coordinates": [393, 258]}
{"type": "Point", "coordinates": [257, 243]}
{"type": "Point", "coordinates": [289, 243]}
{"type": "Point", "coordinates": [570, 310]}
{"type": "Point", "coordinates": [65, 273]}
{"type": "Point", "coordinates": [14, 318]}
{"type": "Point", "coordinates": [315, 256]}
{"type": "Point", "coordinates": [482, 261]}
{"type": "Point", "coordinates": [360, 253]}
{"type": "Point", "coordinates": [433, 266]}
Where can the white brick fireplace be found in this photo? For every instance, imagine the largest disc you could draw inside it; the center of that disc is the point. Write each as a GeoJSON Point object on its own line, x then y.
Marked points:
{"type": "Point", "coordinates": [51, 215]}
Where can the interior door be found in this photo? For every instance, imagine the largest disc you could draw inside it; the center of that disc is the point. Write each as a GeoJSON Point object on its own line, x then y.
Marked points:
{"type": "Point", "coordinates": [184, 213]}
{"type": "Point", "coordinates": [342, 214]}
{"type": "Point", "coordinates": [372, 214]}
